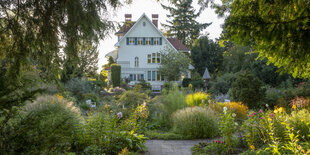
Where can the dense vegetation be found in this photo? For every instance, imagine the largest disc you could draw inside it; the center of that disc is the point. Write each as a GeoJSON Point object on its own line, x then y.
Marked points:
{"type": "Point", "coordinates": [54, 102]}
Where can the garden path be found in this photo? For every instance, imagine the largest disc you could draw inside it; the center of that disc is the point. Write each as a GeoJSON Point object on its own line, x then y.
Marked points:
{"type": "Point", "coordinates": [171, 147]}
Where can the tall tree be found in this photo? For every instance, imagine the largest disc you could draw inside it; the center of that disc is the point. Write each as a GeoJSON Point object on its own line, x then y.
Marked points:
{"type": "Point", "coordinates": [206, 53]}
{"type": "Point", "coordinates": [279, 30]}
{"type": "Point", "coordinates": [182, 23]}
{"type": "Point", "coordinates": [173, 64]}
{"type": "Point", "coordinates": [34, 34]}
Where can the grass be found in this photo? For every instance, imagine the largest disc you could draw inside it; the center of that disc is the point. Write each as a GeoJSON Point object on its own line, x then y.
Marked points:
{"type": "Point", "coordinates": [155, 134]}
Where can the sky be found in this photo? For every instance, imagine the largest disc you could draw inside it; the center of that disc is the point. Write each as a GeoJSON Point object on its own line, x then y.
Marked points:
{"type": "Point", "coordinates": [149, 7]}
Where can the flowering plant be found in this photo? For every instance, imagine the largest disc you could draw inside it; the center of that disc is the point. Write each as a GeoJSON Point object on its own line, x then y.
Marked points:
{"type": "Point", "coordinates": [227, 127]}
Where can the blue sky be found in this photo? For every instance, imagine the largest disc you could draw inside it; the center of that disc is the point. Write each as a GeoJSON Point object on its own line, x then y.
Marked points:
{"type": "Point", "coordinates": [149, 7]}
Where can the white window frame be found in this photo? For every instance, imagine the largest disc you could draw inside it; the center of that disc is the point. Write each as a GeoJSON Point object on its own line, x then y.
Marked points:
{"type": "Point", "coordinates": [131, 41]}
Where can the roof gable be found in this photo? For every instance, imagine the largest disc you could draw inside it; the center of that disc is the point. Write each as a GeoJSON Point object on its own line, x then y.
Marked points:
{"type": "Point", "coordinates": [151, 23]}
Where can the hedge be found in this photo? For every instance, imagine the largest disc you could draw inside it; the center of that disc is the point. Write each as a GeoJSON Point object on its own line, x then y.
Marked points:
{"type": "Point", "coordinates": [116, 75]}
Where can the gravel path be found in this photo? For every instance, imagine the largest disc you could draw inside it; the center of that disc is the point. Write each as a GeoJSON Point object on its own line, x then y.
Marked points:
{"type": "Point", "coordinates": [171, 147]}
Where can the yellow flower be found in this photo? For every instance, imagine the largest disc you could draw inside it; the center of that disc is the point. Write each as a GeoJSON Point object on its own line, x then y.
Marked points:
{"type": "Point", "coordinates": [269, 119]}
{"type": "Point", "coordinates": [279, 110]}
{"type": "Point", "coordinates": [294, 106]}
{"type": "Point", "coordinates": [59, 96]}
{"type": "Point", "coordinates": [252, 147]}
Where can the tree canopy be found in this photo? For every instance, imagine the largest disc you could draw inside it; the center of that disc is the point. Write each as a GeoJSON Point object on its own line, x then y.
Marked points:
{"type": "Point", "coordinates": [206, 53]}
{"type": "Point", "coordinates": [173, 64]}
{"type": "Point", "coordinates": [47, 36]}
{"type": "Point", "coordinates": [278, 30]}
{"type": "Point", "coordinates": [182, 23]}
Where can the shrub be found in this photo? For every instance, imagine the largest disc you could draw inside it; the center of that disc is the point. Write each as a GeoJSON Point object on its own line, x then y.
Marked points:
{"type": "Point", "coordinates": [186, 82]}
{"type": "Point", "coordinates": [132, 98]}
{"type": "Point", "coordinates": [171, 102]}
{"type": "Point", "coordinates": [247, 89]}
{"type": "Point", "coordinates": [101, 135]}
{"type": "Point", "coordinates": [116, 75]}
{"type": "Point", "coordinates": [196, 122]}
{"type": "Point", "coordinates": [78, 87]}
{"type": "Point", "coordinates": [197, 99]}
{"type": "Point", "coordinates": [299, 120]}
{"type": "Point", "coordinates": [238, 108]}
{"type": "Point", "coordinates": [45, 126]}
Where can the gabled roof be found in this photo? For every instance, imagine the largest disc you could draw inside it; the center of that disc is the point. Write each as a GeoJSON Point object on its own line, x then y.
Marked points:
{"type": "Point", "coordinates": [126, 27]}
{"type": "Point", "coordinates": [130, 29]}
{"type": "Point", "coordinates": [177, 44]}
{"type": "Point", "coordinates": [206, 75]}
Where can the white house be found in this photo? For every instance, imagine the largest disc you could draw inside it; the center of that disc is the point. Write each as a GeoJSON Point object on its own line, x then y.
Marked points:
{"type": "Point", "coordinates": [138, 50]}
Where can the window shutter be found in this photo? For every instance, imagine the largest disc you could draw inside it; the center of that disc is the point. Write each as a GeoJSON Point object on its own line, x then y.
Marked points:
{"type": "Point", "coordinates": [143, 40]}
{"type": "Point", "coordinates": [127, 41]}
{"type": "Point", "coordinates": [160, 41]}
{"type": "Point", "coordinates": [136, 41]}
{"type": "Point", "coordinates": [152, 41]}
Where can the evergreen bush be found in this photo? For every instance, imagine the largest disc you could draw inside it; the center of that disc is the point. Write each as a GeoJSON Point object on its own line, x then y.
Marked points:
{"type": "Point", "coordinates": [116, 75]}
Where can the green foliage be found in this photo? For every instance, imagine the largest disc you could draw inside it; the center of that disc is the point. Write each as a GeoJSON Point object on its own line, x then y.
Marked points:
{"type": "Point", "coordinates": [198, 99]}
{"type": "Point", "coordinates": [186, 82]}
{"type": "Point", "coordinates": [101, 135]}
{"type": "Point", "coordinates": [182, 21]}
{"type": "Point", "coordinates": [215, 147]}
{"type": "Point", "coordinates": [45, 126]}
{"type": "Point", "coordinates": [299, 121]}
{"type": "Point", "coordinates": [154, 134]}
{"type": "Point", "coordinates": [227, 128]}
{"type": "Point", "coordinates": [79, 87]}
{"type": "Point", "coordinates": [173, 64]}
{"type": "Point", "coordinates": [195, 122]}
{"type": "Point", "coordinates": [137, 121]}
{"type": "Point", "coordinates": [116, 75]}
{"type": "Point", "coordinates": [205, 53]}
{"type": "Point", "coordinates": [222, 83]}
{"type": "Point", "coordinates": [277, 30]}
{"type": "Point", "coordinates": [247, 89]}
{"type": "Point", "coordinates": [132, 98]}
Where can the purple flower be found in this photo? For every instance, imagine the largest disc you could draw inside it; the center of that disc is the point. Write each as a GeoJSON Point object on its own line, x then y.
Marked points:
{"type": "Point", "coordinates": [261, 118]}
{"type": "Point", "coordinates": [119, 115]}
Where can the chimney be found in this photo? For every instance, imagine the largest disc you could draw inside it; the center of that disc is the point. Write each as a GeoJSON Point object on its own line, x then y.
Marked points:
{"type": "Point", "coordinates": [155, 19]}
{"type": "Point", "coordinates": [127, 17]}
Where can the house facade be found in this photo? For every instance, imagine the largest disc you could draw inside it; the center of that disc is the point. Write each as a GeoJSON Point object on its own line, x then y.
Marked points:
{"type": "Point", "coordinates": [138, 50]}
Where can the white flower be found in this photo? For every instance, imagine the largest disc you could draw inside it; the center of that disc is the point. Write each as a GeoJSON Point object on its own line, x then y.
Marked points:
{"type": "Point", "coordinates": [236, 123]}
{"type": "Point", "coordinates": [267, 105]}
{"type": "Point", "coordinates": [224, 110]}
{"type": "Point", "coordinates": [234, 115]}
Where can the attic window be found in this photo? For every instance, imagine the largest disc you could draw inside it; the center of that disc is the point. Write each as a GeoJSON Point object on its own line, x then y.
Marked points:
{"type": "Point", "coordinates": [144, 24]}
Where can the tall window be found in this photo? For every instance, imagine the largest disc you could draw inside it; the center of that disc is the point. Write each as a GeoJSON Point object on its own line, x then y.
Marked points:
{"type": "Point", "coordinates": [147, 41]}
{"type": "Point", "coordinates": [149, 74]}
{"type": "Point", "coordinates": [153, 58]}
{"type": "Point", "coordinates": [156, 41]}
{"type": "Point", "coordinates": [158, 57]}
{"type": "Point", "coordinates": [136, 62]}
{"type": "Point", "coordinates": [155, 76]}
{"type": "Point", "coordinates": [131, 41]}
{"type": "Point", "coordinates": [149, 58]}
{"type": "Point", "coordinates": [140, 41]}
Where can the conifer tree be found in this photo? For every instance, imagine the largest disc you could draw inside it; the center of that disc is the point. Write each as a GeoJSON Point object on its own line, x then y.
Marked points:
{"type": "Point", "coordinates": [182, 23]}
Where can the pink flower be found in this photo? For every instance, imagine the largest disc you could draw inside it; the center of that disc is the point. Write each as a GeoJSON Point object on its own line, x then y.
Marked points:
{"type": "Point", "coordinates": [119, 115]}
{"type": "Point", "coordinates": [261, 118]}
{"type": "Point", "coordinates": [272, 115]}
{"type": "Point", "coordinates": [260, 111]}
